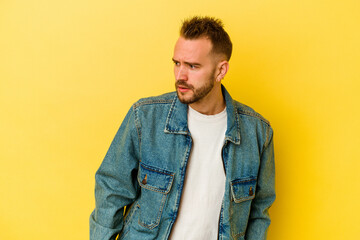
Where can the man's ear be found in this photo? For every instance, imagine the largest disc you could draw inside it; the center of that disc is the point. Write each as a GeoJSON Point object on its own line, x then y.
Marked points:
{"type": "Point", "coordinates": [223, 68]}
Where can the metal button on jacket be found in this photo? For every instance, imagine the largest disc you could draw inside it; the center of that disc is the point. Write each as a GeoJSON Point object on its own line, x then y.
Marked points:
{"type": "Point", "coordinates": [144, 181]}
{"type": "Point", "coordinates": [251, 192]}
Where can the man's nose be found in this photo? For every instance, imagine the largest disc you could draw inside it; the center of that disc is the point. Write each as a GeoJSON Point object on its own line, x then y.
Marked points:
{"type": "Point", "coordinates": [181, 74]}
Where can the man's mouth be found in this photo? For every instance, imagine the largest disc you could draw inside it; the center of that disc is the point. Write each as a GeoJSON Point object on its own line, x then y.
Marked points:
{"type": "Point", "coordinates": [183, 88]}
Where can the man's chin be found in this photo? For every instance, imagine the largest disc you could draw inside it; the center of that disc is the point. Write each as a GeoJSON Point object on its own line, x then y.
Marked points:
{"type": "Point", "coordinates": [186, 100]}
{"type": "Point", "coordinates": [182, 98]}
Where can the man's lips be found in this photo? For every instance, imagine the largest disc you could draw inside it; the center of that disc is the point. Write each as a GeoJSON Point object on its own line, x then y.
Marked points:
{"type": "Point", "coordinates": [183, 89]}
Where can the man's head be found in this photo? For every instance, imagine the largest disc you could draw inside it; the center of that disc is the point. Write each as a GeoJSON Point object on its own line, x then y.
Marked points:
{"type": "Point", "coordinates": [210, 28]}
{"type": "Point", "coordinates": [201, 58]}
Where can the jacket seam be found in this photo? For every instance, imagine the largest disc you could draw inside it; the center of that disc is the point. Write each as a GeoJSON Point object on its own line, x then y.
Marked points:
{"type": "Point", "coordinates": [155, 189]}
{"type": "Point", "coordinates": [148, 102]}
{"type": "Point", "coordinates": [255, 115]}
{"type": "Point", "coordinates": [157, 222]}
{"type": "Point", "coordinates": [137, 126]}
{"type": "Point", "coordinates": [239, 235]}
{"type": "Point", "coordinates": [267, 141]}
{"type": "Point", "coordinates": [153, 170]}
{"type": "Point", "coordinates": [243, 181]}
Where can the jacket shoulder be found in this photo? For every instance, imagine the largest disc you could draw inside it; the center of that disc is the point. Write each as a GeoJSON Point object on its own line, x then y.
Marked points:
{"type": "Point", "coordinates": [243, 109]}
{"type": "Point", "coordinates": [166, 98]}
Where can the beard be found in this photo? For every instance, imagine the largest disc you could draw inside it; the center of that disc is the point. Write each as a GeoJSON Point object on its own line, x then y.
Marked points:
{"type": "Point", "coordinates": [198, 93]}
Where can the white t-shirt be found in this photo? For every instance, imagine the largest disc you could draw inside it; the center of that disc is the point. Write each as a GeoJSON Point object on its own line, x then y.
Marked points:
{"type": "Point", "coordinates": [199, 212]}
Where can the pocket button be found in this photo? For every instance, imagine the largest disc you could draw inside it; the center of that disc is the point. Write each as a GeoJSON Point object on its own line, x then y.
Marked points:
{"type": "Point", "coordinates": [144, 181]}
{"type": "Point", "coordinates": [251, 192]}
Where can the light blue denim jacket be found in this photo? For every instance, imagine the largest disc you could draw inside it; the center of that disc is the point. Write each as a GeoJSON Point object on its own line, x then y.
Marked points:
{"type": "Point", "coordinates": [145, 166]}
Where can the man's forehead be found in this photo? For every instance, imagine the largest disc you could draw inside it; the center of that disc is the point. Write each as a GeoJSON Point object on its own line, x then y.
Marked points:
{"type": "Point", "coordinates": [192, 48]}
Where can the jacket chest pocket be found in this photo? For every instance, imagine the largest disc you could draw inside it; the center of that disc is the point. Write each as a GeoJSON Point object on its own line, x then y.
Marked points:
{"type": "Point", "coordinates": [243, 189]}
{"type": "Point", "coordinates": [155, 185]}
{"type": "Point", "coordinates": [242, 192]}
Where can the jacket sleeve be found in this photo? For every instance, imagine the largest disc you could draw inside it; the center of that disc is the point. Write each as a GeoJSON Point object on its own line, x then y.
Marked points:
{"type": "Point", "coordinates": [115, 181]}
{"type": "Point", "coordinates": [259, 219]}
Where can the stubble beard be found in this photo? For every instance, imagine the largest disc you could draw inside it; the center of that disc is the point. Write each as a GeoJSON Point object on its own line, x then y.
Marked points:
{"type": "Point", "coordinates": [198, 93]}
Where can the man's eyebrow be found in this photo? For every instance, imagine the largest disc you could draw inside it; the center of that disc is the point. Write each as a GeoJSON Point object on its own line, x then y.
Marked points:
{"type": "Point", "coordinates": [188, 63]}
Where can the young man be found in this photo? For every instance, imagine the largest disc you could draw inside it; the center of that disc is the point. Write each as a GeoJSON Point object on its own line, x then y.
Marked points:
{"type": "Point", "coordinates": [192, 165]}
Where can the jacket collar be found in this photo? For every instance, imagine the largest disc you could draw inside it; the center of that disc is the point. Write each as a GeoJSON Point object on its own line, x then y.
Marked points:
{"type": "Point", "coordinates": [176, 121]}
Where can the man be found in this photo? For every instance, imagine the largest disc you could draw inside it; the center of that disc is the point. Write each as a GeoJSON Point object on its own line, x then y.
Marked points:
{"type": "Point", "coordinates": [194, 164]}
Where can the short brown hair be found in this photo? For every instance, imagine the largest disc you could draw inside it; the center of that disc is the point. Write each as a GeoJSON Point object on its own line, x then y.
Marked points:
{"type": "Point", "coordinates": [209, 27]}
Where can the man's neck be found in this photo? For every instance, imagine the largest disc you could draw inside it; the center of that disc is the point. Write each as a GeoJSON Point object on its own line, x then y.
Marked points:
{"type": "Point", "coordinates": [211, 104]}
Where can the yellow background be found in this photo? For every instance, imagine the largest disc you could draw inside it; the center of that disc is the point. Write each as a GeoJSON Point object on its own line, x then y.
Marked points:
{"type": "Point", "coordinates": [70, 70]}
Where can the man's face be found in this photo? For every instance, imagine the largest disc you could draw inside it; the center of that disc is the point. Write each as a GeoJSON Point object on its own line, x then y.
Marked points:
{"type": "Point", "coordinates": [194, 69]}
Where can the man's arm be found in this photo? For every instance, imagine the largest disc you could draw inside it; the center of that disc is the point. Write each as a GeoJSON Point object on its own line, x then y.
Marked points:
{"type": "Point", "coordinates": [115, 181]}
{"type": "Point", "coordinates": [259, 219]}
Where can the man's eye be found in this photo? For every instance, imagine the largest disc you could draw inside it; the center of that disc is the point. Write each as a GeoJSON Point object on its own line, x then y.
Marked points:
{"type": "Point", "coordinates": [192, 66]}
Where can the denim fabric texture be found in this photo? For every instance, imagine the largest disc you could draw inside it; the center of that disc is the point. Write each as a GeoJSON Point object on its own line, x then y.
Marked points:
{"type": "Point", "coordinates": [145, 166]}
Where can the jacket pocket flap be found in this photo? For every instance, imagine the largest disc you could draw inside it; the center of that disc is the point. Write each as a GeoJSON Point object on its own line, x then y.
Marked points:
{"type": "Point", "coordinates": [155, 179]}
{"type": "Point", "coordinates": [243, 189]}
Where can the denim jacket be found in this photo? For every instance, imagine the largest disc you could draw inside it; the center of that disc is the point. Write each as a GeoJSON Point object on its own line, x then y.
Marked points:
{"type": "Point", "coordinates": [145, 166]}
